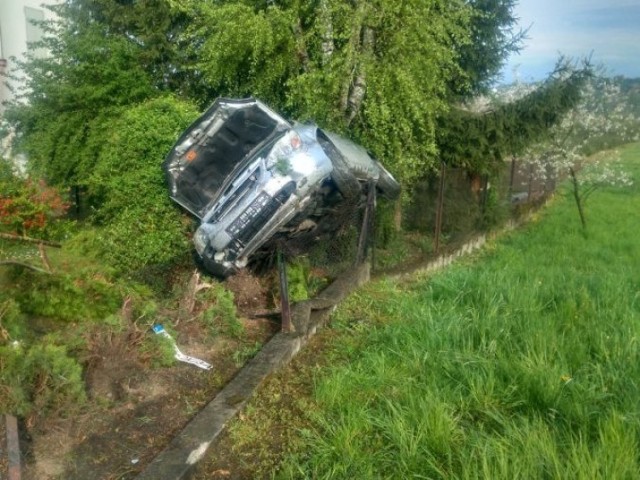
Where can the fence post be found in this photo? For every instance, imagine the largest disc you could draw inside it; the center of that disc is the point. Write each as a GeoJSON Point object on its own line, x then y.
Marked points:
{"type": "Point", "coordinates": [440, 207]}
{"type": "Point", "coordinates": [512, 176]}
{"type": "Point", "coordinates": [366, 231]}
{"type": "Point", "coordinates": [13, 448]}
{"type": "Point", "coordinates": [485, 195]}
{"type": "Point", "coordinates": [285, 307]}
{"type": "Point", "coordinates": [530, 189]}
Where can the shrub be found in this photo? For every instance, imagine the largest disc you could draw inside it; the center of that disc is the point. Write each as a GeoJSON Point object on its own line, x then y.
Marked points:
{"type": "Point", "coordinates": [42, 379]}
{"type": "Point", "coordinates": [141, 227]}
{"type": "Point", "coordinates": [220, 312]}
{"type": "Point", "coordinates": [64, 297]}
{"type": "Point", "coordinates": [11, 319]}
{"type": "Point", "coordinates": [27, 207]}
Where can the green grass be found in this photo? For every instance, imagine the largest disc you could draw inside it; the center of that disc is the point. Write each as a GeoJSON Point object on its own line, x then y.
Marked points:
{"type": "Point", "coordinates": [522, 362]}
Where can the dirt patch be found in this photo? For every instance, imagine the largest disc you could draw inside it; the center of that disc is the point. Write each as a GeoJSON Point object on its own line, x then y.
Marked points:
{"type": "Point", "coordinates": [136, 408]}
{"type": "Point", "coordinates": [4, 461]}
{"type": "Point", "coordinates": [252, 294]}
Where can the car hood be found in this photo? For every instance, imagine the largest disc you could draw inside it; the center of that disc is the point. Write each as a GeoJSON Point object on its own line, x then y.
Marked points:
{"type": "Point", "coordinates": [211, 152]}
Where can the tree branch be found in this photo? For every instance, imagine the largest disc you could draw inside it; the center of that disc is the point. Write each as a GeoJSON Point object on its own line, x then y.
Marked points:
{"type": "Point", "coordinates": [24, 265]}
{"type": "Point", "coordinates": [588, 191]}
{"type": "Point", "coordinates": [19, 238]}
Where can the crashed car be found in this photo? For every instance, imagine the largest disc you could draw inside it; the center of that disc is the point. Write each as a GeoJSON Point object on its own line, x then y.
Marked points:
{"type": "Point", "coordinates": [248, 175]}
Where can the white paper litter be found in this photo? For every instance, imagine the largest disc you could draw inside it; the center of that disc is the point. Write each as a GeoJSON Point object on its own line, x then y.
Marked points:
{"type": "Point", "coordinates": [159, 329]}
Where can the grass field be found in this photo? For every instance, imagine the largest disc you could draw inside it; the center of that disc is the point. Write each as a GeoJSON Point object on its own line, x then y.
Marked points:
{"type": "Point", "coordinates": [522, 362]}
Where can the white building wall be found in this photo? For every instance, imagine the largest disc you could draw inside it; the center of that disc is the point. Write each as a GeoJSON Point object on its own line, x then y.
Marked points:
{"type": "Point", "coordinates": [16, 31]}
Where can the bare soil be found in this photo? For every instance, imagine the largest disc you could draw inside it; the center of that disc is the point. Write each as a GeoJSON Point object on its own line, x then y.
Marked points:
{"type": "Point", "coordinates": [135, 409]}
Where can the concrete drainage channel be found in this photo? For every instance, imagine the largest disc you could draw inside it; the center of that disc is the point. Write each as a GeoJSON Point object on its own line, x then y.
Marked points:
{"type": "Point", "coordinates": [192, 443]}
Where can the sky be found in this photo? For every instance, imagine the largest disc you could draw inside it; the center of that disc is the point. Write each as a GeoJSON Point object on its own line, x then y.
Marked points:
{"type": "Point", "coordinates": [609, 29]}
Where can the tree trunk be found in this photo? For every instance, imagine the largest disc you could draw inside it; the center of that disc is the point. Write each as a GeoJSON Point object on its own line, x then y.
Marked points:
{"type": "Point", "coordinates": [303, 54]}
{"type": "Point", "coordinates": [576, 196]}
{"type": "Point", "coordinates": [359, 86]}
{"type": "Point", "coordinates": [327, 32]}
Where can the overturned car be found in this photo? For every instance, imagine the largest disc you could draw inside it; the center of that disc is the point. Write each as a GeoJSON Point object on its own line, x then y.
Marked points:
{"type": "Point", "coordinates": [248, 175]}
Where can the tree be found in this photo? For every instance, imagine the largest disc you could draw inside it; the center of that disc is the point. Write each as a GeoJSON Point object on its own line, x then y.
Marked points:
{"type": "Point", "coordinates": [381, 71]}
{"type": "Point", "coordinates": [481, 136]}
{"type": "Point", "coordinates": [76, 91]}
{"type": "Point", "coordinates": [603, 115]}
{"type": "Point", "coordinates": [494, 36]}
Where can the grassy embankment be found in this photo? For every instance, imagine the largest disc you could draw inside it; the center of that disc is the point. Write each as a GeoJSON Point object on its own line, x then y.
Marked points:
{"type": "Point", "coordinates": [523, 362]}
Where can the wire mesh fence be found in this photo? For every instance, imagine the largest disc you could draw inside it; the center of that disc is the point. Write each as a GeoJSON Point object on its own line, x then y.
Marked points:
{"type": "Point", "coordinates": [453, 204]}
{"type": "Point", "coordinates": [446, 208]}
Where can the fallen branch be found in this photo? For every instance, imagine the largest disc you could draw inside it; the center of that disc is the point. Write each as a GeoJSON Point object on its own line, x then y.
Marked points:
{"type": "Point", "coordinates": [24, 265]}
{"type": "Point", "coordinates": [20, 238]}
{"type": "Point", "coordinates": [188, 301]}
{"type": "Point", "coordinates": [44, 257]}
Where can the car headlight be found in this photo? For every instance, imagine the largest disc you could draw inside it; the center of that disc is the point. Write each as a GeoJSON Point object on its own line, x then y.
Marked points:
{"type": "Point", "coordinates": [200, 240]}
{"type": "Point", "coordinates": [279, 155]}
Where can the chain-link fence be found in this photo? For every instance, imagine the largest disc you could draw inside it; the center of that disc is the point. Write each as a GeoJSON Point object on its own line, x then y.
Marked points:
{"type": "Point", "coordinates": [453, 204]}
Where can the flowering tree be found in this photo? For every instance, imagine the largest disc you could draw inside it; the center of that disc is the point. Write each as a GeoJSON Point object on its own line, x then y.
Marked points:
{"type": "Point", "coordinates": [601, 120]}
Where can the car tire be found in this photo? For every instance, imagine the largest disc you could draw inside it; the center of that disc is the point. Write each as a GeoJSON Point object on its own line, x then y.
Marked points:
{"type": "Point", "coordinates": [388, 186]}
{"type": "Point", "coordinates": [342, 175]}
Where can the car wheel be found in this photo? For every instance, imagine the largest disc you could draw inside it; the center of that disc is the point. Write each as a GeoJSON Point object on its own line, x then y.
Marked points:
{"type": "Point", "coordinates": [341, 174]}
{"type": "Point", "coordinates": [388, 186]}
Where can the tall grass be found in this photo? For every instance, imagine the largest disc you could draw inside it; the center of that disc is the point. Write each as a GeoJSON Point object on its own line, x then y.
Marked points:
{"type": "Point", "coordinates": [523, 362]}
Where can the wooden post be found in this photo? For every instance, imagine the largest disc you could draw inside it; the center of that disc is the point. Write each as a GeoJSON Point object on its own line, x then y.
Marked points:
{"type": "Point", "coordinates": [485, 194]}
{"type": "Point", "coordinates": [530, 189]}
{"type": "Point", "coordinates": [440, 207]}
{"type": "Point", "coordinates": [366, 231]}
{"type": "Point", "coordinates": [512, 176]}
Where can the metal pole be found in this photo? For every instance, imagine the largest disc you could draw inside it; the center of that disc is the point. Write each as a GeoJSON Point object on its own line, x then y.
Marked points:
{"type": "Point", "coordinates": [367, 220]}
{"type": "Point", "coordinates": [440, 207]}
{"type": "Point", "coordinates": [285, 308]}
{"type": "Point", "coordinates": [512, 176]}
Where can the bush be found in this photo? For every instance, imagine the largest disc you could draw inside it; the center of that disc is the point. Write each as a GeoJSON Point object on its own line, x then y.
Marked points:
{"type": "Point", "coordinates": [64, 297]}
{"type": "Point", "coordinates": [27, 207]}
{"type": "Point", "coordinates": [220, 313]}
{"type": "Point", "coordinates": [39, 379]}
{"type": "Point", "coordinates": [11, 319]}
{"type": "Point", "coordinates": [141, 227]}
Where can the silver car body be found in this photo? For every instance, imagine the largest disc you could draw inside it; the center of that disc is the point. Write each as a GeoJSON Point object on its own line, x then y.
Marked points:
{"type": "Point", "coordinates": [245, 172]}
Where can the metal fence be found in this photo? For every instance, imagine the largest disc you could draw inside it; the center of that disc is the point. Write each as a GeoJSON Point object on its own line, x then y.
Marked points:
{"type": "Point", "coordinates": [453, 203]}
